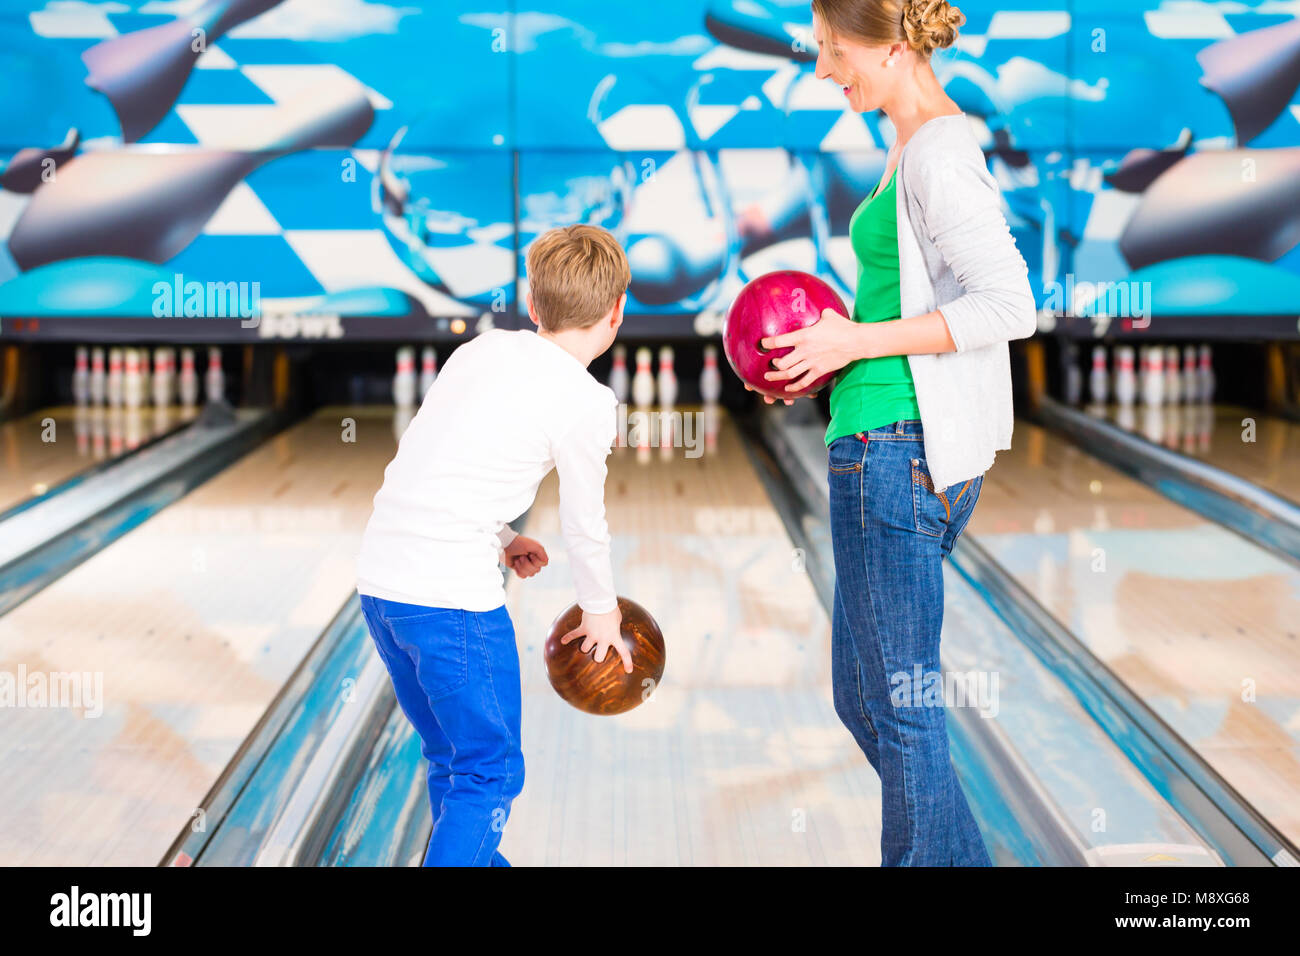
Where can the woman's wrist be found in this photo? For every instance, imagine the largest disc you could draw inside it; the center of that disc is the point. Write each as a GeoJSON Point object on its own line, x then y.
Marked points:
{"type": "Point", "coordinates": [865, 340]}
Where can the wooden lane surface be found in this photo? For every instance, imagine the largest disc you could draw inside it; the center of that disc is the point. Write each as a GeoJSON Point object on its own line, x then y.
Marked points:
{"type": "Point", "coordinates": [42, 450]}
{"type": "Point", "coordinates": [1203, 625]}
{"type": "Point", "coordinates": [739, 757]}
{"type": "Point", "coordinates": [1261, 448]}
{"type": "Point", "coordinates": [192, 622]}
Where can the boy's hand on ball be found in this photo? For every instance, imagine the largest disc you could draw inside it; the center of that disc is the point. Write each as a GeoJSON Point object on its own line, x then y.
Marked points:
{"type": "Point", "coordinates": [602, 632]}
{"type": "Point", "coordinates": [821, 349]}
{"type": "Point", "coordinates": [526, 556]}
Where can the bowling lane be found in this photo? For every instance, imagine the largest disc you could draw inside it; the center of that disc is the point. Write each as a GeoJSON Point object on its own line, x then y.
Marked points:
{"type": "Point", "coordinates": [1260, 448]}
{"type": "Point", "coordinates": [739, 757]}
{"type": "Point", "coordinates": [1202, 624]}
{"type": "Point", "coordinates": [43, 450]}
{"type": "Point", "coordinates": [183, 630]}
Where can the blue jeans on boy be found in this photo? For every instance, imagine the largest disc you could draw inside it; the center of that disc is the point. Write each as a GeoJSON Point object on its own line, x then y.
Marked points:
{"type": "Point", "coordinates": [456, 676]}
{"type": "Point", "coordinates": [891, 532]}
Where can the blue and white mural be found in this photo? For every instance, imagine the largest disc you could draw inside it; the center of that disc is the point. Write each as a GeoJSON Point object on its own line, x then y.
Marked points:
{"type": "Point", "coordinates": [369, 159]}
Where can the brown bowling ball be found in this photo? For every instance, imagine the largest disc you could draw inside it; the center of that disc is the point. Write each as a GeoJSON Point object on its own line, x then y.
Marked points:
{"type": "Point", "coordinates": [605, 688]}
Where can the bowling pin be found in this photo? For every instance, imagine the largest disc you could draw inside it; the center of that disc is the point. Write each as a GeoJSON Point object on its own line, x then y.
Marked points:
{"type": "Point", "coordinates": [712, 425]}
{"type": "Point", "coordinates": [146, 377]}
{"type": "Point", "coordinates": [1153, 422]}
{"type": "Point", "coordinates": [1098, 380]}
{"type": "Point", "coordinates": [1206, 391]}
{"type": "Point", "coordinates": [86, 211]}
{"type": "Point", "coordinates": [1153, 378]}
{"type": "Point", "coordinates": [428, 370]}
{"type": "Point", "coordinates": [1126, 417]}
{"type": "Point", "coordinates": [215, 379]}
{"type": "Point", "coordinates": [1175, 425]}
{"type": "Point", "coordinates": [1125, 376]}
{"type": "Point", "coordinates": [1073, 376]}
{"type": "Point", "coordinates": [133, 421]}
{"type": "Point", "coordinates": [643, 382]}
{"type": "Point", "coordinates": [1173, 378]}
{"type": "Point", "coordinates": [188, 379]}
{"type": "Point", "coordinates": [33, 165]}
{"type": "Point", "coordinates": [162, 377]}
{"type": "Point", "coordinates": [667, 387]}
{"type": "Point", "coordinates": [81, 377]}
{"type": "Point", "coordinates": [142, 72]}
{"type": "Point", "coordinates": [114, 376]}
{"type": "Point", "coordinates": [132, 383]}
{"type": "Point", "coordinates": [98, 377]}
{"type": "Point", "coordinates": [1191, 422]}
{"type": "Point", "coordinates": [710, 378]}
{"type": "Point", "coordinates": [1191, 378]}
{"type": "Point", "coordinates": [404, 378]}
{"type": "Point", "coordinates": [116, 430]}
{"type": "Point", "coordinates": [752, 28]}
{"type": "Point", "coordinates": [1204, 426]}
{"type": "Point", "coordinates": [618, 378]}
{"type": "Point", "coordinates": [402, 416]}
{"type": "Point", "coordinates": [667, 381]}
{"type": "Point", "coordinates": [98, 432]}
{"type": "Point", "coordinates": [82, 424]}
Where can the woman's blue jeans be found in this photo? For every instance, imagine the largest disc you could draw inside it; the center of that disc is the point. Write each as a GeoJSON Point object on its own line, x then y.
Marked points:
{"type": "Point", "coordinates": [456, 676]}
{"type": "Point", "coordinates": [891, 532]}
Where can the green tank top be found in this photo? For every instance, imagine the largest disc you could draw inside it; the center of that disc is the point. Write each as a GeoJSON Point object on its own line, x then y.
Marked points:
{"type": "Point", "coordinates": [872, 392]}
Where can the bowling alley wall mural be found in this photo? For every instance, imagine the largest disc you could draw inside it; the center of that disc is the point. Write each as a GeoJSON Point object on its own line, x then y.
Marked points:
{"type": "Point", "coordinates": [372, 160]}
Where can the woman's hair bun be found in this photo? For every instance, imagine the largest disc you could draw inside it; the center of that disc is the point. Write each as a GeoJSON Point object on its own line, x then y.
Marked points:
{"type": "Point", "coordinates": [931, 24]}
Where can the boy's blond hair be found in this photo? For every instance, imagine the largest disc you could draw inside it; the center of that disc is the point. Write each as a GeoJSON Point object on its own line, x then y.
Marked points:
{"type": "Point", "coordinates": [575, 276]}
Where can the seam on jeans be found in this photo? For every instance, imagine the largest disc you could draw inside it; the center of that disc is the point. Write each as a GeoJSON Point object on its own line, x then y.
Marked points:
{"type": "Point", "coordinates": [478, 626]}
{"type": "Point", "coordinates": [857, 668]}
{"type": "Point", "coordinates": [961, 523]}
{"type": "Point", "coordinates": [875, 624]}
{"type": "Point", "coordinates": [963, 490]}
{"type": "Point", "coordinates": [862, 488]}
{"type": "Point", "coordinates": [407, 618]}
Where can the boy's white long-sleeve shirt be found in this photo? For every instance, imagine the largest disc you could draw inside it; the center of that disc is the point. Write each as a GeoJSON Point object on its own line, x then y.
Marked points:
{"type": "Point", "coordinates": [507, 408]}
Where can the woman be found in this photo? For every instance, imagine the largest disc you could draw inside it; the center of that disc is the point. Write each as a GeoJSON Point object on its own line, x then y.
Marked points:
{"type": "Point", "coordinates": [918, 411]}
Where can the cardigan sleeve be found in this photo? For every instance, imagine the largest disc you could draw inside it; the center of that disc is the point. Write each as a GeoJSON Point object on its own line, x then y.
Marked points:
{"type": "Point", "coordinates": [962, 216]}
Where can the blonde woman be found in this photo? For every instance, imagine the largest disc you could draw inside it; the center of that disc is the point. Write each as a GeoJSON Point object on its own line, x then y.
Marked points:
{"type": "Point", "coordinates": [921, 404]}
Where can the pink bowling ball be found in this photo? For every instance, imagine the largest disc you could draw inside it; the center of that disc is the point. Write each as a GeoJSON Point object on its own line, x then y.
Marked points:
{"type": "Point", "coordinates": [774, 304]}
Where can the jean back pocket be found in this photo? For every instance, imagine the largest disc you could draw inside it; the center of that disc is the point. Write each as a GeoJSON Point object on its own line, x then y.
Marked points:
{"type": "Point", "coordinates": [435, 641]}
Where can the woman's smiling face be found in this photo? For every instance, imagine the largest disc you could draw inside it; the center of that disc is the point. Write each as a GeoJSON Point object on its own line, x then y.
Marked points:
{"type": "Point", "coordinates": [858, 69]}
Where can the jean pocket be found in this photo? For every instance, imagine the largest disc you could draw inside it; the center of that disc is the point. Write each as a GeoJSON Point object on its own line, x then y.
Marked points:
{"type": "Point", "coordinates": [930, 509]}
{"type": "Point", "coordinates": [963, 503]}
{"type": "Point", "coordinates": [436, 644]}
{"type": "Point", "coordinates": [845, 457]}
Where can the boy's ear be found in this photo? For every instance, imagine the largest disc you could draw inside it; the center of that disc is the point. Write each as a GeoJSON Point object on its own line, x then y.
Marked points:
{"type": "Point", "coordinates": [531, 313]}
{"type": "Point", "coordinates": [618, 311]}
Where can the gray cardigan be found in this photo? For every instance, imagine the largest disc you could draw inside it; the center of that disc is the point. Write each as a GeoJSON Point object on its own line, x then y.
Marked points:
{"type": "Point", "coordinates": [956, 254]}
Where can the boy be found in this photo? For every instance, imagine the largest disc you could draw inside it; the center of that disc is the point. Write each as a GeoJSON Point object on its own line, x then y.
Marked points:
{"type": "Point", "coordinates": [507, 408]}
